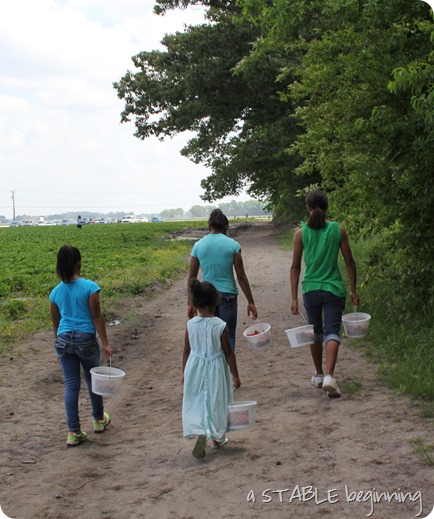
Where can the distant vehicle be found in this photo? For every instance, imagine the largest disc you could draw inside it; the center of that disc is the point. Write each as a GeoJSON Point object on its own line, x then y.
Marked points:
{"type": "Point", "coordinates": [46, 223]}
{"type": "Point", "coordinates": [142, 219]}
{"type": "Point", "coordinates": [101, 220]}
{"type": "Point", "coordinates": [15, 224]}
{"type": "Point", "coordinates": [27, 223]}
{"type": "Point", "coordinates": [129, 219]}
{"type": "Point", "coordinates": [65, 222]}
{"type": "Point", "coordinates": [157, 219]}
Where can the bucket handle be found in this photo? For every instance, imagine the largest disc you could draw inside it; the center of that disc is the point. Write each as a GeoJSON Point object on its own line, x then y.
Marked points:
{"type": "Point", "coordinates": [262, 324]}
{"type": "Point", "coordinates": [304, 317]}
{"type": "Point", "coordinates": [355, 311]}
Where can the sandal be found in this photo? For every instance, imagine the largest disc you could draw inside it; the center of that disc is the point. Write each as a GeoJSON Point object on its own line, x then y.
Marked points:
{"type": "Point", "coordinates": [219, 445]}
{"type": "Point", "coordinates": [199, 451]}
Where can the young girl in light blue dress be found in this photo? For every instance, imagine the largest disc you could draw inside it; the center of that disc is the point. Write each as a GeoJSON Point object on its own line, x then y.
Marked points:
{"type": "Point", "coordinates": [207, 364]}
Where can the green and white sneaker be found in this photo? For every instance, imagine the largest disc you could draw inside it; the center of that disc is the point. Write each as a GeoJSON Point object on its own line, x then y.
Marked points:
{"type": "Point", "coordinates": [76, 438]}
{"type": "Point", "coordinates": [99, 426]}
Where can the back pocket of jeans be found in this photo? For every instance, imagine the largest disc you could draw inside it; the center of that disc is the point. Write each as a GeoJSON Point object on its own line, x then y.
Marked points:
{"type": "Point", "coordinates": [88, 349]}
{"type": "Point", "coordinates": [60, 347]}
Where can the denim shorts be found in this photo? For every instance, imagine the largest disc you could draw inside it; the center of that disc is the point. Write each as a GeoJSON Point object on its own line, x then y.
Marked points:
{"type": "Point", "coordinates": [324, 310]}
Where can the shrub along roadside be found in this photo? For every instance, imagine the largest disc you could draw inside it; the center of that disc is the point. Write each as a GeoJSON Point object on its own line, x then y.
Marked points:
{"type": "Point", "coordinates": [401, 332]}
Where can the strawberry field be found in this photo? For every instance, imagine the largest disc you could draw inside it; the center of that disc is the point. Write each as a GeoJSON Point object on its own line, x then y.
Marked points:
{"type": "Point", "coordinates": [123, 259]}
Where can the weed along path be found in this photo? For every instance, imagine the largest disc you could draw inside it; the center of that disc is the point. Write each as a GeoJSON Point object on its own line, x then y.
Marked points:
{"type": "Point", "coordinates": [307, 457]}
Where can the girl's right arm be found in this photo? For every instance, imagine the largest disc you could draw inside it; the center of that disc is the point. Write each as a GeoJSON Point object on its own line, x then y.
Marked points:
{"type": "Point", "coordinates": [185, 354]}
{"type": "Point", "coordinates": [230, 357]}
{"type": "Point", "coordinates": [194, 270]}
{"type": "Point", "coordinates": [295, 270]}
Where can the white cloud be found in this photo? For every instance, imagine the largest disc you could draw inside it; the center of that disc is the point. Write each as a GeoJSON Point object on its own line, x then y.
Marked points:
{"type": "Point", "coordinates": [61, 141]}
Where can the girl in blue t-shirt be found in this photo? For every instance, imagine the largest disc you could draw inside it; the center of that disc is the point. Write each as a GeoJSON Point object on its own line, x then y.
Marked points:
{"type": "Point", "coordinates": [77, 317]}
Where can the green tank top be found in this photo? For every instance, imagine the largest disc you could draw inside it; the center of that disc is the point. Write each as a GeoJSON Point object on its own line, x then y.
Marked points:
{"type": "Point", "coordinates": [321, 250]}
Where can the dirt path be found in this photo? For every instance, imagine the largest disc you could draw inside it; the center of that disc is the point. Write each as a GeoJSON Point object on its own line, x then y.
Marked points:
{"type": "Point", "coordinates": [321, 457]}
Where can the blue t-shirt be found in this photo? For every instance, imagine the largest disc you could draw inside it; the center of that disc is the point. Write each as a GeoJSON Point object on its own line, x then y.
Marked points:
{"type": "Point", "coordinates": [72, 299]}
{"type": "Point", "coordinates": [216, 253]}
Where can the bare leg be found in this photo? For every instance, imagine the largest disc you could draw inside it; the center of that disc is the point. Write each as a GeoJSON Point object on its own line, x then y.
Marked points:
{"type": "Point", "coordinates": [316, 352]}
{"type": "Point", "coordinates": [332, 349]}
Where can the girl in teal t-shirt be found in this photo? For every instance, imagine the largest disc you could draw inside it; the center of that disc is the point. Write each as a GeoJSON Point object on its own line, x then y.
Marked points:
{"type": "Point", "coordinates": [218, 256]}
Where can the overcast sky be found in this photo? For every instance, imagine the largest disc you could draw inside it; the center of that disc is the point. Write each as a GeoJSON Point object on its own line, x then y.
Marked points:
{"type": "Point", "coordinates": [62, 147]}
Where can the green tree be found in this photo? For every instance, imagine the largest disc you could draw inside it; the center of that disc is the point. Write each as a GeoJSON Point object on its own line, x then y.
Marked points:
{"type": "Point", "coordinates": [242, 127]}
{"type": "Point", "coordinates": [172, 213]}
{"type": "Point", "coordinates": [363, 92]}
{"type": "Point", "coordinates": [200, 211]}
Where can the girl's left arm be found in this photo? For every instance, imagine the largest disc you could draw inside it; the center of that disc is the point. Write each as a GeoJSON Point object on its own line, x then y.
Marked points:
{"type": "Point", "coordinates": [230, 357]}
{"type": "Point", "coordinates": [99, 323]}
{"type": "Point", "coordinates": [245, 285]}
{"type": "Point", "coordinates": [351, 267]}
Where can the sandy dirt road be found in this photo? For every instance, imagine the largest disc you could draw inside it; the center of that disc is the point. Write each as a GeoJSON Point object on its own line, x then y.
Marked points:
{"type": "Point", "coordinates": [308, 456]}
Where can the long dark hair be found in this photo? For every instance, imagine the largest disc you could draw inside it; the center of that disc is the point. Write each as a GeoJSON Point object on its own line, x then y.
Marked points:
{"type": "Point", "coordinates": [204, 294]}
{"type": "Point", "coordinates": [218, 221]}
{"type": "Point", "coordinates": [68, 260]}
{"type": "Point", "coordinates": [317, 201]}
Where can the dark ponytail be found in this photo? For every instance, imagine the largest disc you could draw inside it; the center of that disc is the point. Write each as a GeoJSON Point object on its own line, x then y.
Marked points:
{"type": "Point", "coordinates": [68, 260]}
{"type": "Point", "coordinates": [317, 201]}
{"type": "Point", "coordinates": [218, 221]}
{"type": "Point", "coordinates": [204, 294]}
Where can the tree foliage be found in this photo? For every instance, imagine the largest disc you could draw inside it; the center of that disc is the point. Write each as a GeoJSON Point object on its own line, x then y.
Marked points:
{"type": "Point", "coordinates": [242, 129]}
{"type": "Point", "coordinates": [285, 94]}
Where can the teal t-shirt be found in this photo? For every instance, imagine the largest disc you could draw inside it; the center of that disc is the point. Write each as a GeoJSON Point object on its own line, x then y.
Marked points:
{"type": "Point", "coordinates": [321, 250]}
{"type": "Point", "coordinates": [72, 299]}
{"type": "Point", "coordinates": [216, 253]}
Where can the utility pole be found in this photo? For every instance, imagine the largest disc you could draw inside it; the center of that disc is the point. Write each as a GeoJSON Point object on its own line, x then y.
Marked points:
{"type": "Point", "coordinates": [13, 204]}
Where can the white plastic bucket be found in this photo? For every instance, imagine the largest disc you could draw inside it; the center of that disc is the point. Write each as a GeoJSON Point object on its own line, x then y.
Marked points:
{"type": "Point", "coordinates": [241, 415]}
{"type": "Point", "coordinates": [258, 336]}
{"type": "Point", "coordinates": [106, 381]}
{"type": "Point", "coordinates": [301, 336]}
{"type": "Point", "coordinates": [356, 324]}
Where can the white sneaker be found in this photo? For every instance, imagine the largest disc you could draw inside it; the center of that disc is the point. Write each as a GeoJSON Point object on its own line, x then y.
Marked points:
{"type": "Point", "coordinates": [317, 380]}
{"type": "Point", "coordinates": [329, 385]}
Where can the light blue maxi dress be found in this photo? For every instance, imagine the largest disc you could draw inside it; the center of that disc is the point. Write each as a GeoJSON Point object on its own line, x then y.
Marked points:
{"type": "Point", "coordinates": [208, 388]}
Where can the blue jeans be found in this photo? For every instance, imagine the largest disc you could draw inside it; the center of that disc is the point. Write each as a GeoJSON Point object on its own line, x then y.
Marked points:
{"type": "Point", "coordinates": [227, 311]}
{"type": "Point", "coordinates": [321, 302]}
{"type": "Point", "coordinates": [76, 350]}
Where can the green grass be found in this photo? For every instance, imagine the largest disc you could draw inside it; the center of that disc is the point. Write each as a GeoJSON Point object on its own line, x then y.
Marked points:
{"type": "Point", "coordinates": [124, 259]}
{"type": "Point", "coordinates": [424, 451]}
{"type": "Point", "coordinates": [353, 387]}
{"type": "Point", "coordinates": [401, 334]}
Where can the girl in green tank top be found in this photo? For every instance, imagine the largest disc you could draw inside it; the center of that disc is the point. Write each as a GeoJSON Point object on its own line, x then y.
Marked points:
{"type": "Point", "coordinates": [321, 249]}
{"type": "Point", "coordinates": [323, 288]}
